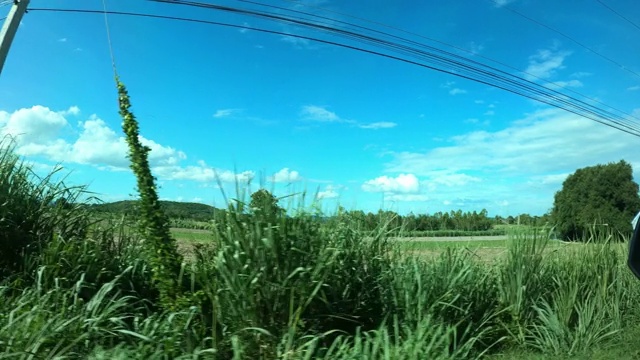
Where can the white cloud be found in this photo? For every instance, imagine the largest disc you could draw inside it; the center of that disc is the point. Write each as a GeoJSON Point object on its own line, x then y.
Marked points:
{"type": "Point", "coordinates": [501, 3]}
{"type": "Point", "coordinates": [285, 175]}
{"type": "Point", "coordinates": [581, 74]}
{"type": "Point", "coordinates": [32, 125]}
{"type": "Point", "coordinates": [403, 183]}
{"type": "Point", "coordinates": [330, 192]}
{"type": "Point", "coordinates": [62, 40]}
{"type": "Point", "coordinates": [322, 114]}
{"type": "Point", "coordinates": [474, 47]}
{"type": "Point", "coordinates": [478, 101]}
{"type": "Point", "coordinates": [634, 88]}
{"type": "Point", "coordinates": [570, 83]}
{"type": "Point", "coordinates": [38, 130]}
{"type": "Point", "coordinates": [453, 90]}
{"type": "Point", "coordinates": [379, 125]}
{"type": "Point", "coordinates": [100, 145]}
{"type": "Point", "coordinates": [73, 110]}
{"type": "Point", "coordinates": [202, 173]}
{"type": "Point", "coordinates": [451, 179]}
{"type": "Point", "coordinates": [244, 30]}
{"type": "Point", "coordinates": [296, 41]}
{"type": "Point", "coordinates": [545, 63]}
{"type": "Point", "coordinates": [38, 133]}
{"type": "Point", "coordinates": [406, 197]}
{"type": "Point", "coordinates": [225, 113]}
{"type": "Point", "coordinates": [457, 91]}
{"type": "Point", "coordinates": [319, 113]}
{"type": "Point", "coordinates": [523, 164]}
{"type": "Point", "coordinates": [489, 113]}
{"type": "Point", "coordinates": [547, 140]}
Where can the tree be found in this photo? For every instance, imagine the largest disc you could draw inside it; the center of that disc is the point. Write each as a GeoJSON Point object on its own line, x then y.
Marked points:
{"type": "Point", "coordinates": [265, 206]}
{"type": "Point", "coordinates": [601, 195]}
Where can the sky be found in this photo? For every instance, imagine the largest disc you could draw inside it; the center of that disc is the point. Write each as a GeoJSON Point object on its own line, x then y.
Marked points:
{"type": "Point", "coordinates": [220, 106]}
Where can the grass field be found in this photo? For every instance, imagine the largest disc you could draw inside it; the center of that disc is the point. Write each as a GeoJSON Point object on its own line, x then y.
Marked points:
{"type": "Point", "coordinates": [191, 235]}
{"type": "Point", "coordinates": [300, 290]}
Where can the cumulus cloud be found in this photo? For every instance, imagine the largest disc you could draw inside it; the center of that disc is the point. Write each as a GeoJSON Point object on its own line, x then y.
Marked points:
{"type": "Point", "coordinates": [530, 158]}
{"type": "Point", "coordinates": [38, 132]}
{"type": "Point", "coordinates": [73, 110]}
{"type": "Point", "coordinates": [545, 63]}
{"type": "Point", "coordinates": [202, 173]}
{"type": "Point", "coordinates": [329, 192]}
{"type": "Point", "coordinates": [634, 88]}
{"type": "Point", "coordinates": [285, 175]}
{"type": "Point", "coordinates": [403, 183]}
{"type": "Point", "coordinates": [37, 124]}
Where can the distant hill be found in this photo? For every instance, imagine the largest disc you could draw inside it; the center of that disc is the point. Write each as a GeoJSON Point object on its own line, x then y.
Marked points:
{"type": "Point", "coordinates": [173, 209]}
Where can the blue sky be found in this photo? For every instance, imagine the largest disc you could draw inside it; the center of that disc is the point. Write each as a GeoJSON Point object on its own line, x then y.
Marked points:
{"type": "Point", "coordinates": [365, 131]}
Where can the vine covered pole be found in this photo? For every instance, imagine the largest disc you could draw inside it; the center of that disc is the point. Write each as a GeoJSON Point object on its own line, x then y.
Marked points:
{"type": "Point", "coordinates": [10, 27]}
{"type": "Point", "coordinates": [162, 248]}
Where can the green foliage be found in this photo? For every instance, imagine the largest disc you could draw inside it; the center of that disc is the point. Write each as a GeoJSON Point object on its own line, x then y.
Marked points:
{"type": "Point", "coordinates": [299, 288]}
{"type": "Point", "coordinates": [264, 206]}
{"type": "Point", "coordinates": [32, 210]}
{"type": "Point", "coordinates": [161, 247]}
{"type": "Point", "coordinates": [601, 195]}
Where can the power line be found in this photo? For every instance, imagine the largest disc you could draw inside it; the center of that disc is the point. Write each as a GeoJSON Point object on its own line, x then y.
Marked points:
{"type": "Point", "coordinates": [456, 62]}
{"type": "Point", "coordinates": [619, 14]}
{"type": "Point", "coordinates": [410, 33]}
{"type": "Point", "coordinates": [106, 24]}
{"type": "Point", "coordinates": [532, 90]}
{"type": "Point", "coordinates": [570, 38]}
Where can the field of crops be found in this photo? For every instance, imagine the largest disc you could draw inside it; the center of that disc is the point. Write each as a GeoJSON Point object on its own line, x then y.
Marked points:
{"type": "Point", "coordinates": [268, 286]}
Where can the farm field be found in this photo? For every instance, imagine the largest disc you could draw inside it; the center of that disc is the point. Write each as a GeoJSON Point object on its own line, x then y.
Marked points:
{"type": "Point", "coordinates": [300, 290]}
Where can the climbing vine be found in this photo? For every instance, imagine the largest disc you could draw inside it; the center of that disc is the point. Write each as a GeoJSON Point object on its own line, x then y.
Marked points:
{"type": "Point", "coordinates": [154, 225]}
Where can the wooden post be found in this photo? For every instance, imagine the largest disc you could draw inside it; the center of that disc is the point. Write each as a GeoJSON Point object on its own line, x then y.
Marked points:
{"type": "Point", "coordinates": [10, 27]}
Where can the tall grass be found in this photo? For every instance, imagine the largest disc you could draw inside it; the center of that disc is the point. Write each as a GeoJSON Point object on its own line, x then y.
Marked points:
{"type": "Point", "coordinates": [291, 289]}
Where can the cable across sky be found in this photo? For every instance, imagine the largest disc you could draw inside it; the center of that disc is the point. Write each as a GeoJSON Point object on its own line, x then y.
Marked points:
{"type": "Point", "coordinates": [408, 51]}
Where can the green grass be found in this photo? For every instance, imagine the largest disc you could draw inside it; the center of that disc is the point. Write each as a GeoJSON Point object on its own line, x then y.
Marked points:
{"type": "Point", "coordinates": [186, 235]}
{"type": "Point", "coordinates": [421, 245]}
{"type": "Point", "coordinates": [425, 245]}
{"type": "Point", "coordinates": [297, 289]}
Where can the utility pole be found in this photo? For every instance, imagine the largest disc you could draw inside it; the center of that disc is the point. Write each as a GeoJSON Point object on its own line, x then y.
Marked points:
{"type": "Point", "coordinates": [10, 27]}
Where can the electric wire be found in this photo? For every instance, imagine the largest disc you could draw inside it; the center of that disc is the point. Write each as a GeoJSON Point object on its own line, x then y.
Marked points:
{"type": "Point", "coordinates": [569, 38]}
{"type": "Point", "coordinates": [413, 34]}
{"type": "Point", "coordinates": [619, 14]}
{"type": "Point", "coordinates": [106, 23]}
{"type": "Point", "coordinates": [594, 114]}
{"type": "Point", "coordinates": [304, 22]}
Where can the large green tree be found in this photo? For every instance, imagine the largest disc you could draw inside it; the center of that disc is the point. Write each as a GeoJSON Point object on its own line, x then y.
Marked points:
{"type": "Point", "coordinates": [601, 194]}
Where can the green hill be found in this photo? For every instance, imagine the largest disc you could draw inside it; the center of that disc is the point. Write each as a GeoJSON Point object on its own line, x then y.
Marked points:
{"type": "Point", "coordinates": [173, 209]}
